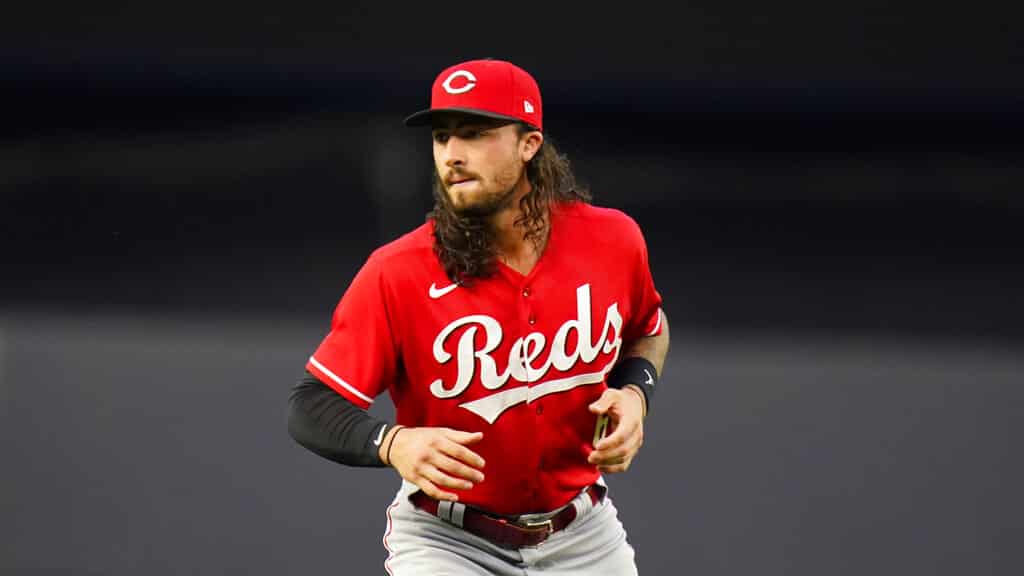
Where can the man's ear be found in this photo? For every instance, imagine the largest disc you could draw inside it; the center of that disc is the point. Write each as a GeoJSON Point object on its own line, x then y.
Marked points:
{"type": "Point", "coordinates": [529, 144]}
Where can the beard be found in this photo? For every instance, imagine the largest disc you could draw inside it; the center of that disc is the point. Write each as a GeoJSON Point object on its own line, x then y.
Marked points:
{"type": "Point", "coordinates": [464, 238]}
{"type": "Point", "coordinates": [482, 207]}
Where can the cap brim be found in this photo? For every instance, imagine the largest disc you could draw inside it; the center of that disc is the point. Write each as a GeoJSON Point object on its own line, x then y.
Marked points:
{"type": "Point", "coordinates": [424, 117]}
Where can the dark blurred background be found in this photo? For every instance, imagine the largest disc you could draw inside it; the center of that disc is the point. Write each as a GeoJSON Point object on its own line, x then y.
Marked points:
{"type": "Point", "coordinates": [830, 194]}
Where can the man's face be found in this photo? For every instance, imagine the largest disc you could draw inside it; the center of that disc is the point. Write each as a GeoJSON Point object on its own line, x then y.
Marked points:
{"type": "Point", "coordinates": [479, 162]}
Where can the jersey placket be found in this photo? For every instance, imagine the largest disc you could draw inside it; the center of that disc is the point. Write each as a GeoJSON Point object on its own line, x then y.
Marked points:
{"type": "Point", "coordinates": [527, 324]}
{"type": "Point", "coordinates": [527, 298]}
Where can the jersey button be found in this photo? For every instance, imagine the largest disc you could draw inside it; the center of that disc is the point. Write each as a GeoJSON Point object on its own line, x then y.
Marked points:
{"type": "Point", "coordinates": [532, 320]}
{"type": "Point", "coordinates": [540, 409]}
{"type": "Point", "coordinates": [526, 292]}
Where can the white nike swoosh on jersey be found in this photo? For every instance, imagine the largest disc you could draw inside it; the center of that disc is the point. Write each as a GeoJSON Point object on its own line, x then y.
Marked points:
{"type": "Point", "coordinates": [380, 435]}
{"type": "Point", "coordinates": [436, 292]}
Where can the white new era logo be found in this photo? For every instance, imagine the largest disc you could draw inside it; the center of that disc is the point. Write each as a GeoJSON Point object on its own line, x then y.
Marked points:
{"type": "Point", "coordinates": [527, 107]}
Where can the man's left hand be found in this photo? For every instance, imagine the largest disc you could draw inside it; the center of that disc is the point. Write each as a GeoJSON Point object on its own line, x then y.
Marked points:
{"type": "Point", "coordinates": [625, 409]}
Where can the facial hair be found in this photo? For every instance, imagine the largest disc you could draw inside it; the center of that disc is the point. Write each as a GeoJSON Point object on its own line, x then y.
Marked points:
{"type": "Point", "coordinates": [465, 244]}
{"type": "Point", "coordinates": [479, 207]}
{"type": "Point", "coordinates": [486, 207]}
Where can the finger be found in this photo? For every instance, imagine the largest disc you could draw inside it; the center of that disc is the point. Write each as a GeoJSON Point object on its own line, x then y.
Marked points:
{"type": "Point", "coordinates": [453, 467]}
{"type": "Point", "coordinates": [616, 463]}
{"type": "Point", "coordinates": [433, 491]}
{"type": "Point", "coordinates": [624, 453]}
{"type": "Point", "coordinates": [442, 480]}
{"type": "Point", "coordinates": [619, 447]}
{"type": "Point", "coordinates": [604, 403]}
{"type": "Point", "coordinates": [460, 452]}
{"type": "Point", "coordinates": [612, 468]}
{"type": "Point", "coordinates": [608, 457]}
{"type": "Point", "coordinates": [615, 460]}
{"type": "Point", "coordinates": [463, 437]}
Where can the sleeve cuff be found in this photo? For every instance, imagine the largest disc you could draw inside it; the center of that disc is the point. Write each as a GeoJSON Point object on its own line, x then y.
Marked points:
{"type": "Point", "coordinates": [340, 386]}
{"type": "Point", "coordinates": [657, 324]}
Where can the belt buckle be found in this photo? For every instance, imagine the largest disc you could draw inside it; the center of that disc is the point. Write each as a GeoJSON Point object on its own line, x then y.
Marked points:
{"type": "Point", "coordinates": [540, 524]}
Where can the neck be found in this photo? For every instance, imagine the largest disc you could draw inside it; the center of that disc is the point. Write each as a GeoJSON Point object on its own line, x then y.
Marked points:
{"type": "Point", "coordinates": [512, 247]}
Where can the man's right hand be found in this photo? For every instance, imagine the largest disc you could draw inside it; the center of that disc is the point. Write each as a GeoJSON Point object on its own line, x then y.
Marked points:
{"type": "Point", "coordinates": [435, 459]}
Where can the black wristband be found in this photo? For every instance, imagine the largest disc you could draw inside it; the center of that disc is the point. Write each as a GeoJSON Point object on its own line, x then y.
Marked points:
{"type": "Point", "coordinates": [638, 371]}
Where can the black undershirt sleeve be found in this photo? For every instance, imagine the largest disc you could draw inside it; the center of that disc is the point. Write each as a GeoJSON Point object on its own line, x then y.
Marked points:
{"type": "Point", "coordinates": [328, 424]}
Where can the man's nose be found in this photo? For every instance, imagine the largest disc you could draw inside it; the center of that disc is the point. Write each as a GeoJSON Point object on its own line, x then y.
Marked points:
{"type": "Point", "coordinates": [454, 152]}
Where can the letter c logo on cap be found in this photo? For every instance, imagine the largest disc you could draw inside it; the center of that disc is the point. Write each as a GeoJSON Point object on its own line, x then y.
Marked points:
{"type": "Point", "coordinates": [470, 82]}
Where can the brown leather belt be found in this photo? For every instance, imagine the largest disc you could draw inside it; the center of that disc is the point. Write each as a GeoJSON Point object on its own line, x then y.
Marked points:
{"type": "Point", "coordinates": [506, 532]}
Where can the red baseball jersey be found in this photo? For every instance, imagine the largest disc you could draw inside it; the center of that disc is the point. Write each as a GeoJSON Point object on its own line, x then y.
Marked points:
{"type": "Point", "coordinates": [516, 357]}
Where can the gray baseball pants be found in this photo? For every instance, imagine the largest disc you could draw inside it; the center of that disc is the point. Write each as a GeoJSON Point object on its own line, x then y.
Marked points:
{"type": "Point", "coordinates": [419, 543]}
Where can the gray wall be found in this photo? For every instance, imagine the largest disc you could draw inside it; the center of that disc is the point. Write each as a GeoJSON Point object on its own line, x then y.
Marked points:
{"type": "Point", "coordinates": [156, 444]}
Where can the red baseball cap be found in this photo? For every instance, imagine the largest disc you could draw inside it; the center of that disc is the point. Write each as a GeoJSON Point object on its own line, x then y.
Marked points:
{"type": "Point", "coordinates": [491, 88]}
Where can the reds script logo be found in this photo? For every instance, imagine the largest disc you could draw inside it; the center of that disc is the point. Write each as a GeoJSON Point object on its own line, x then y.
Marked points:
{"type": "Point", "coordinates": [523, 362]}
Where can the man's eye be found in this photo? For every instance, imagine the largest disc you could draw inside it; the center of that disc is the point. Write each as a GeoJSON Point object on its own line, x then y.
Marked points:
{"type": "Point", "coordinates": [440, 137]}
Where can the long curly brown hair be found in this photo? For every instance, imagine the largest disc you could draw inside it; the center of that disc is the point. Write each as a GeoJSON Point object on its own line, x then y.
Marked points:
{"type": "Point", "coordinates": [465, 244]}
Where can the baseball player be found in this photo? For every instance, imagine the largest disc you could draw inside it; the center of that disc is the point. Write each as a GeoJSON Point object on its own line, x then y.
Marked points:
{"type": "Point", "coordinates": [521, 338]}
